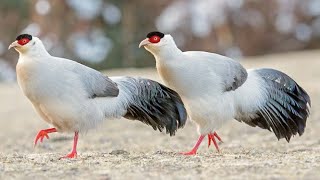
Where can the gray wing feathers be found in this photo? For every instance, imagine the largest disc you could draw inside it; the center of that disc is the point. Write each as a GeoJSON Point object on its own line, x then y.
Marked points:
{"type": "Point", "coordinates": [234, 75]}
{"type": "Point", "coordinates": [286, 108]}
{"type": "Point", "coordinates": [231, 72]}
{"type": "Point", "coordinates": [95, 83]}
{"type": "Point", "coordinates": [99, 85]}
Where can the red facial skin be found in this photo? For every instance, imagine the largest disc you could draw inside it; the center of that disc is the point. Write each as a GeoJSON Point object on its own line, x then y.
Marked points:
{"type": "Point", "coordinates": [23, 41]}
{"type": "Point", "coordinates": [154, 39]}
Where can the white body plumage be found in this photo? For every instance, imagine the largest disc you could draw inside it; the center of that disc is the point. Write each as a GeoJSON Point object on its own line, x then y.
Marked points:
{"type": "Point", "coordinates": [216, 89]}
{"type": "Point", "coordinates": [201, 88]}
{"type": "Point", "coordinates": [73, 97]}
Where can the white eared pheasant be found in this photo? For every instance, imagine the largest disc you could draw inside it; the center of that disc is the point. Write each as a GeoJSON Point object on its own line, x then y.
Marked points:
{"type": "Point", "coordinates": [74, 98]}
{"type": "Point", "coordinates": [216, 89]}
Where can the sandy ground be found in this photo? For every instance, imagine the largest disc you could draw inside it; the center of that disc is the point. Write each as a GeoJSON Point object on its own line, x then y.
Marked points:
{"type": "Point", "coordinates": [122, 149]}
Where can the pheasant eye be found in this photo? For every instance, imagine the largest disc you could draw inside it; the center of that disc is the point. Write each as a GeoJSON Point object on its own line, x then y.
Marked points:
{"type": "Point", "coordinates": [23, 41]}
{"type": "Point", "coordinates": [154, 39]}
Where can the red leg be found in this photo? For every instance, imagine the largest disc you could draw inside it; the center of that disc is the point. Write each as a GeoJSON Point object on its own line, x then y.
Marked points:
{"type": "Point", "coordinates": [195, 148]}
{"type": "Point", "coordinates": [43, 133]}
{"type": "Point", "coordinates": [73, 153]}
{"type": "Point", "coordinates": [211, 137]}
{"type": "Point", "coordinates": [218, 137]}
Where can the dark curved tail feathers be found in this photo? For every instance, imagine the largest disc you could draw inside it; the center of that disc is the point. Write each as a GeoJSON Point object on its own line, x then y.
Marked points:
{"type": "Point", "coordinates": [287, 108]}
{"type": "Point", "coordinates": [155, 104]}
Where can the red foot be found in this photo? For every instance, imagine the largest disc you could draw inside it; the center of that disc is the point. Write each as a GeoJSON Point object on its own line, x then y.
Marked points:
{"type": "Point", "coordinates": [42, 134]}
{"type": "Point", "coordinates": [71, 155]}
{"type": "Point", "coordinates": [192, 152]}
{"type": "Point", "coordinates": [211, 137]}
{"type": "Point", "coordinates": [195, 148]}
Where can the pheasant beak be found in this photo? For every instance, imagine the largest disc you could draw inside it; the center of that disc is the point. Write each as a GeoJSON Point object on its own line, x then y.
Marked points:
{"type": "Point", "coordinates": [14, 44]}
{"type": "Point", "coordinates": [144, 42]}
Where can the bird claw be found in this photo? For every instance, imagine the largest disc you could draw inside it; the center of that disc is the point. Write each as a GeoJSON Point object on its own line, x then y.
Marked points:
{"type": "Point", "coordinates": [191, 153]}
{"type": "Point", "coordinates": [70, 155]}
{"type": "Point", "coordinates": [217, 136]}
{"type": "Point", "coordinates": [41, 134]}
{"type": "Point", "coordinates": [211, 137]}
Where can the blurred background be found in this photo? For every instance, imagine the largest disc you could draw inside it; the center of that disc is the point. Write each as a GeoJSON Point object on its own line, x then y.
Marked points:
{"type": "Point", "coordinates": [105, 33]}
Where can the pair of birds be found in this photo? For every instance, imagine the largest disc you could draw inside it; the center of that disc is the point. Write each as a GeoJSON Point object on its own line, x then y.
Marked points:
{"type": "Point", "coordinates": [210, 88]}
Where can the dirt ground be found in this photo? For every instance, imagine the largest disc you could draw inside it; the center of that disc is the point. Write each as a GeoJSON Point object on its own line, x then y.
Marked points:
{"type": "Point", "coordinates": [122, 149]}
